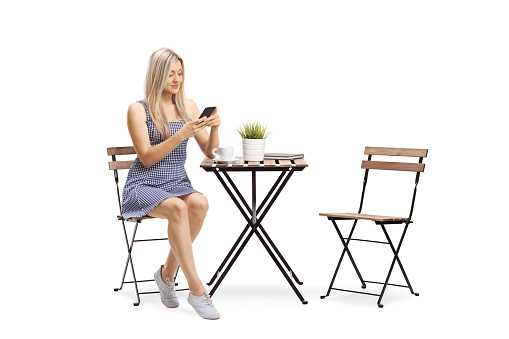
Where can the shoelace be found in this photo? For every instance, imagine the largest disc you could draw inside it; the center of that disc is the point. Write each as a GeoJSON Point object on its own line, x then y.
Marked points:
{"type": "Point", "coordinates": [206, 300]}
{"type": "Point", "coordinates": [170, 286]}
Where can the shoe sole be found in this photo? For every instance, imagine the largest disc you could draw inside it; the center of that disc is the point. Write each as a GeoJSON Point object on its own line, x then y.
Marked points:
{"type": "Point", "coordinates": [162, 302]}
{"type": "Point", "coordinates": [210, 317]}
{"type": "Point", "coordinates": [172, 306]}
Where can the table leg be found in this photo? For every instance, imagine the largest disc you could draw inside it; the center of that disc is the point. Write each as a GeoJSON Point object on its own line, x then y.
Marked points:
{"type": "Point", "coordinates": [258, 210]}
{"type": "Point", "coordinates": [228, 256]}
{"type": "Point", "coordinates": [254, 222]}
{"type": "Point", "coordinates": [264, 243]}
{"type": "Point", "coordinates": [280, 267]}
{"type": "Point", "coordinates": [260, 227]}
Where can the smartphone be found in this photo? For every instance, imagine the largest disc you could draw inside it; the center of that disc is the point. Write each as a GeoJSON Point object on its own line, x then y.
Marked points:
{"type": "Point", "coordinates": [207, 112]}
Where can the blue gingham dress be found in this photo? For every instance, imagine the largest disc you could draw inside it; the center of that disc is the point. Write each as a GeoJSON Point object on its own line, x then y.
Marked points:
{"type": "Point", "coordinates": [145, 188]}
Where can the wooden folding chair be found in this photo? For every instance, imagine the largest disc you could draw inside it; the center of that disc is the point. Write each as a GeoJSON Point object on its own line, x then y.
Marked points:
{"type": "Point", "coordinates": [379, 219]}
{"type": "Point", "coordinates": [120, 165]}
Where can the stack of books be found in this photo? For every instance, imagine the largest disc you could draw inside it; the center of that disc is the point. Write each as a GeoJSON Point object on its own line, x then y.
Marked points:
{"type": "Point", "coordinates": [283, 156]}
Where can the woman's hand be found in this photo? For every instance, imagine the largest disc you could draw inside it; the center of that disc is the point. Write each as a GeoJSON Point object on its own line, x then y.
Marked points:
{"type": "Point", "coordinates": [190, 129]}
{"type": "Point", "coordinates": [214, 120]}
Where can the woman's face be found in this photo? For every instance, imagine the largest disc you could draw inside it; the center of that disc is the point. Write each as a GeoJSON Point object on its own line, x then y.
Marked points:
{"type": "Point", "coordinates": [175, 79]}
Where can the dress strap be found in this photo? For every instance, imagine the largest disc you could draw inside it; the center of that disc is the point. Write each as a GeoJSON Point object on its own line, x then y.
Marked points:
{"type": "Point", "coordinates": [146, 108]}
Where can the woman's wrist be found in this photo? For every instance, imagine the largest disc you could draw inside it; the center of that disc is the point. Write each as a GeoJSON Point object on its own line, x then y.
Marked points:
{"type": "Point", "coordinates": [178, 136]}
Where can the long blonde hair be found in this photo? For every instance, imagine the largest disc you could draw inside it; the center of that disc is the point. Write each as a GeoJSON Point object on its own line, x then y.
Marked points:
{"type": "Point", "coordinates": [159, 69]}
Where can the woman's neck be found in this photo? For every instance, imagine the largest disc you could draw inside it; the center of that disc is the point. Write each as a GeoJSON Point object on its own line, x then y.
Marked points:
{"type": "Point", "coordinates": [166, 99]}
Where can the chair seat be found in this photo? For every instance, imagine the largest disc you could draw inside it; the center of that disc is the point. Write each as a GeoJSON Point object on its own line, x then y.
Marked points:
{"type": "Point", "coordinates": [120, 217]}
{"type": "Point", "coordinates": [381, 218]}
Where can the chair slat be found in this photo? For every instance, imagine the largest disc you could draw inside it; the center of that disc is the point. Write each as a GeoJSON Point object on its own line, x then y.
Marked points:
{"type": "Point", "coordinates": [394, 166]}
{"type": "Point", "coordinates": [381, 218]}
{"type": "Point", "coordinates": [404, 152]}
{"type": "Point", "coordinates": [300, 162]}
{"type": "Point", "coordinates": [121, 150]}
{"type": "Point", "coordinates": [120, 217]}
{"type": "Point", "coordinates": [118, 165]}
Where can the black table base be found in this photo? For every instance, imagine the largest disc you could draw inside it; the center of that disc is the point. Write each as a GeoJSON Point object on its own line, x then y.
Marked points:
{"type": "Point", "coordinates": [254, 216]}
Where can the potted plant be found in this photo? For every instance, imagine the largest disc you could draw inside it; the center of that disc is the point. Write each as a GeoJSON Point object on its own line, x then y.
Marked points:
{"type": "Point", "coordinates": [253, 140]}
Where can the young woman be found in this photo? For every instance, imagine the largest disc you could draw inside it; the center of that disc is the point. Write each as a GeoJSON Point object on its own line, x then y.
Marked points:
{"type": "Point", "coordinates": [157, 184]}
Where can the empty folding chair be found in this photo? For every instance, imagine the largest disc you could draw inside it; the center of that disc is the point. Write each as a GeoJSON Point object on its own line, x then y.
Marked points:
{"type": "Point", "coordinates": [379, 219]}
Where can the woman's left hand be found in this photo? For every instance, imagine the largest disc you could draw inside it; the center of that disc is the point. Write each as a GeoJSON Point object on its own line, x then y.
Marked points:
{"type": "Point", "coordinates": [214, 121]}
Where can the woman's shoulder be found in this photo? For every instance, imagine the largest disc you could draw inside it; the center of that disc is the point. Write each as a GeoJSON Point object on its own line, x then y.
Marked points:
{"type": "Point", "coordinates": [136, 109]}
{"type": "Point", "coordinates": [137, 105]}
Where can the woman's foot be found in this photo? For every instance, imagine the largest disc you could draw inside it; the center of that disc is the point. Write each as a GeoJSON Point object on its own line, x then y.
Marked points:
{"type": "Point", "coordinates": [203, 306]}
{"type": "Point", "coordinates": [166, 290]}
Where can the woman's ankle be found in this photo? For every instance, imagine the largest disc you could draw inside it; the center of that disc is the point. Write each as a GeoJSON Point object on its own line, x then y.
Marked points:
{"type": "Point", "coordinates": [198, 292]}
{"type": "Point", "coordinates": [197, 289]}
{"type": "Point", "coordinates": [165, 273]}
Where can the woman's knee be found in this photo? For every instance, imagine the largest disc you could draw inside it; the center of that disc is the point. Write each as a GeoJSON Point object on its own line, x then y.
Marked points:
{"type": "Point", "coordinates": [175, 208]}
{"type": "Point", "coordinates": [198, 204]}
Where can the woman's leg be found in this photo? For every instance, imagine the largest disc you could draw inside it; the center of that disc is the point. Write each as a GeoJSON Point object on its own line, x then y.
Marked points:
{"type": "Point", "coordinates": [175, 210]}
{"type": "Point", "coordinates": [197, 207]}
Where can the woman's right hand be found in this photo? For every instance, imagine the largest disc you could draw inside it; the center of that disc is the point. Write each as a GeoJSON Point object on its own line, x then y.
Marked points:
{"type": "Point", "coordinates": [190, 129]}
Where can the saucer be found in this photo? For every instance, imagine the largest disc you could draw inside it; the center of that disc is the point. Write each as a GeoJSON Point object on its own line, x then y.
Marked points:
{"type": "Point", "coordinates": [221, 161]}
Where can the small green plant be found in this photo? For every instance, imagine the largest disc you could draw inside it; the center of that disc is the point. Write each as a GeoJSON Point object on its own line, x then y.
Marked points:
{"type": "Point", "coordinates": [253, 130]}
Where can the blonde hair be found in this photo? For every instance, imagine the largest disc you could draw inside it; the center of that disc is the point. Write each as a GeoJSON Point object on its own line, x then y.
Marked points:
{"type": "Point", "coordinates": [159, 69]}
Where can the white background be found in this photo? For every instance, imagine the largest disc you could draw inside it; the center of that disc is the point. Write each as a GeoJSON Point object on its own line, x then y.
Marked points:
{"type": "Point", "coordinates": [328, 78]}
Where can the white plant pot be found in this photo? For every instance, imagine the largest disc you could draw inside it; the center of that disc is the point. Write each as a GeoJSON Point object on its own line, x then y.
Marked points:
{"type": "Point", "coordinates": [253, 149]}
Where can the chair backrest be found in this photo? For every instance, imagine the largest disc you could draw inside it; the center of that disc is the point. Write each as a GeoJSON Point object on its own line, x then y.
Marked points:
{"type": "Point", "coordinates": [394, 166]}
{"type": "Point", "coordinates": [115, 165]}
{"type": "Point", "coordinates": [114, 151]}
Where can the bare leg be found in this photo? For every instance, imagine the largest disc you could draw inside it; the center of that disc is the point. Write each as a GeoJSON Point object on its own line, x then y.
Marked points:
{"type": "Point", "coordinates": [175, 210]}
{"type": "Point", "coordinates": [197, 206]}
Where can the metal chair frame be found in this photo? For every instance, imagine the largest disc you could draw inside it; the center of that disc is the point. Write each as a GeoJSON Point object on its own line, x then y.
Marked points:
{"type": "Point", "coordinates": [382, 221]}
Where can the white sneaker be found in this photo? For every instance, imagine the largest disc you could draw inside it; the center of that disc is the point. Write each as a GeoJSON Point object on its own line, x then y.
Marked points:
{"type": "Point", "coordinates": [166, 290]}
{"type": "Point", "coordinates": [203, 306]}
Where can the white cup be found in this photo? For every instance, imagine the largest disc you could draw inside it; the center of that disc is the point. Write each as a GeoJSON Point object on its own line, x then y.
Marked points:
{"type": "Point", "coordinates": [223, 153]}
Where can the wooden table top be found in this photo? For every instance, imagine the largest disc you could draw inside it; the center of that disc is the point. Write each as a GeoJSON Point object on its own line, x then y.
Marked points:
{"type": "Point", "coordinates": [269, 163]}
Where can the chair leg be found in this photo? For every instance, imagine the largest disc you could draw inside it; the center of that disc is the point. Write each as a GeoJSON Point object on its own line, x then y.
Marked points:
{"type": "Point", "coordinates": [345, 249]}
{"type": "Point", "coordinates": [123, 276]}
{"type": "Point", "coordinates": [402, 269]}
{"type": "Point", "coordinates": [345, 245]}
{"type": "Point", "coordinates": [396, 258]}
{"type": "Point", "coordinates": [129, 260]}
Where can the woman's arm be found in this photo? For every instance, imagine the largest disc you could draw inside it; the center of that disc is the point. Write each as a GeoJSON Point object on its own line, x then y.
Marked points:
{"type": "Point", "coordinates": [206, 142]}
{"type": "Point", "coordinates": [136, 123]}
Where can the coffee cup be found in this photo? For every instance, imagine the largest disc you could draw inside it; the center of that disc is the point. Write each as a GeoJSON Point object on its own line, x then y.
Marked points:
{"type": "Point", "coordinates": [223, 153]}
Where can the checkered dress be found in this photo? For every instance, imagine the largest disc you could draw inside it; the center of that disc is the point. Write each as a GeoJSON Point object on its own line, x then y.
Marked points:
{"type": "Point", "coordinates": [145, 188]}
